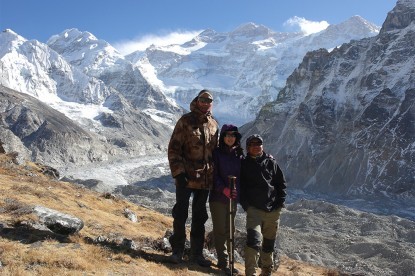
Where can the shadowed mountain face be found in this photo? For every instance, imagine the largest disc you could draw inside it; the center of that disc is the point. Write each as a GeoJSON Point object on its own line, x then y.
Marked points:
{"type": "Point", "coordinates": [46, 133]}
{"type": "Point", "coordinates": [344, 122]}
{"type": "Point", "coordinates": [42, 133]}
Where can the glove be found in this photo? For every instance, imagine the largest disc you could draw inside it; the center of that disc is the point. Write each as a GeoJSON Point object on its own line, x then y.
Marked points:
{"type": "Point", "coordinates": [181, 180]}
{"type": "Point", "coordinates": [231, 195]}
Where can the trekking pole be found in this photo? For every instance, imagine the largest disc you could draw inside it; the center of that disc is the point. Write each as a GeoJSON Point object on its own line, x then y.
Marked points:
{"type": "Point", "coordinates": [232, 187]}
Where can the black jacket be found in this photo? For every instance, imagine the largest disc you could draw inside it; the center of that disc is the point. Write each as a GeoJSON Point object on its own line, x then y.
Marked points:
{"type": "Point", "coordinates": [262, 183]}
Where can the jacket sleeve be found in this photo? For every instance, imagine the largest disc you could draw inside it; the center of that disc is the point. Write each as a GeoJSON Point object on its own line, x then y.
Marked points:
{"type": "Point", "coordinates": [175, 149]}
{"type": "Point", "coordinates": [218, 184]}
{"type": "Point", "coordinates": [243, 196]}
{"type": "Point", "coordinates": [280, 186]}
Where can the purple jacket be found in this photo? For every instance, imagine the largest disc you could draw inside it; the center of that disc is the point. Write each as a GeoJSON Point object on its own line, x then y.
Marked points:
{"type": "Point", "coordinates": [225, 163]}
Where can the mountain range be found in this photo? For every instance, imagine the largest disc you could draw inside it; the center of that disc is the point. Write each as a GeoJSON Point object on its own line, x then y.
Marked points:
{"type": "Point", "coordinates": [245, 68]}
{"type": "Point", "coordinates": [130, 103]}
{"type": "Point", "coordinates": [334, 107]}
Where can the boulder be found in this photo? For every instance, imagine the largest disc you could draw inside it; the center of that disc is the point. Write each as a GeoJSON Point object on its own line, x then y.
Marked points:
{"type": "Point", "coordinates": [58, 222]}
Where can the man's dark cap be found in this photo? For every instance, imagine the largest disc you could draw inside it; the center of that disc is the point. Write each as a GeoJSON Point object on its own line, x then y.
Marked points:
{"type": "Point", "coordinates": [254, 138]}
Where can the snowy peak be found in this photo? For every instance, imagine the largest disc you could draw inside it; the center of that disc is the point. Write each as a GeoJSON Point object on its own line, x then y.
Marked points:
{"type": "Point", "coordinates": [73, 36]}
{"type": "Point", "coordinates": [209, 36]}
{"type": "Point", "coordinates": [31, 66]}
{"type": "Point", "coordinates": [357, 24]}
{"type": "Point", "coordinates": [84, 50]}
{"type": "Point", "coordinates": [9, 40]}
{"type": "Point", "coordinates": [10, 35]}
{"type": "Point", "coordinates": [354, 28]}
{"type": "Point", "coordinates": [252, 30]}
{"type": "Point", "coordinates": [96, 58]}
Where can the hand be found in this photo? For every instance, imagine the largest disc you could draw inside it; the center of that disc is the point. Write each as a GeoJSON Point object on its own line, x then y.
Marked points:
{"type": "Point", "coordinates": [231, 195]}
{"type": "Point", "coordinates": [227, 192]}
{"type": "Point", "coordinates": [234, 194]}
{"type": "Point", "coordinates": [181, 180]}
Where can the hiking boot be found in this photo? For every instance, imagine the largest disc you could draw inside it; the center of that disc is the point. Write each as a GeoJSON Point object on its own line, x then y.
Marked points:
{"type": "Point", "coordinates": [265, 271]}
{"type": "Point", "coordinates": [176, 257]}
{"type": "Point", "coordinates": [222, 264]}
{"type": "Point", "coordinates": [227, 271]}
{"type": "Point", "coordinates": [200, 260]}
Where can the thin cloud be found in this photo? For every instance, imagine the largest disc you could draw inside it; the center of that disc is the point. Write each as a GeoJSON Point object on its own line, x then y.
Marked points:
{"type": "Point", "coordinates": [142, 43]}
{"type": "Point", "coordinates": [305, 26]}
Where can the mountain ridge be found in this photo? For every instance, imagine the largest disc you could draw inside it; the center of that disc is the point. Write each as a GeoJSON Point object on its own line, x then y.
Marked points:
{"type": "Point", "coordinates": [341, 125]}
{"type": "Point", "coordinates": [76, 69]}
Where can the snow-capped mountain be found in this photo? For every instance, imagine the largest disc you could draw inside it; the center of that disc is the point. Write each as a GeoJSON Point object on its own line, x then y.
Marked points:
{"type": "Point", "coordinates": [33, 68]}
{"type": "Point", "coordinates": [344, 122]}
{"type": "Point", "coordinates": [92, 85]}
{"type": "Point", "coordinates": [97, 58]}
{"type": "Point", "coordinates": [244, 68]}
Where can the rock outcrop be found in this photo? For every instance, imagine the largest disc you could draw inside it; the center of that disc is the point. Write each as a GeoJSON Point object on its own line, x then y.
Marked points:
{"type": "Point", "coordinates": [343, 124]}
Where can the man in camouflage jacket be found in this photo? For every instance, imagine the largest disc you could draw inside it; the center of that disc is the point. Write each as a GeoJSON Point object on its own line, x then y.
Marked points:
{"type": "Point", "coordinates": [194, 138]}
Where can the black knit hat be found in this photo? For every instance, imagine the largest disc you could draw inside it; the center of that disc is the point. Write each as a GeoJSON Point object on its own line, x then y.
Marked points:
{"type": "Point", "coordinates": [228, 128]}
{"type": "Point", "coordinates": [253, 138]}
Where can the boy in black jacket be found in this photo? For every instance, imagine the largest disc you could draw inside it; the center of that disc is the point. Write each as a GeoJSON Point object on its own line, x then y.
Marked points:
{"type": "Point", "coordinates": [262, 197]}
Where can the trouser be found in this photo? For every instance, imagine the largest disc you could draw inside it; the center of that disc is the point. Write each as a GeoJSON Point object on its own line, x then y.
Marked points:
{"type": "Point", "coordinates": [261, 228]}
{"type": "Point", "coordinates": [221, 228]}
{"type": "Point", "coordinates": [199, 217]}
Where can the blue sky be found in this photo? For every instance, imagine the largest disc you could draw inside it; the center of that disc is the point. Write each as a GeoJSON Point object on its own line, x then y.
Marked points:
{"type": "Point", "coordinates": [127, 21]}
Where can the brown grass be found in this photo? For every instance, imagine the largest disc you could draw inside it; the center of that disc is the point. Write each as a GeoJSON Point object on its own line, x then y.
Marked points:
{"type": "Point", "coordinates": [22, 253]}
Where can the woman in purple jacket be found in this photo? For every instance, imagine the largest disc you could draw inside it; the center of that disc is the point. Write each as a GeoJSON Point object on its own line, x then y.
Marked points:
{"type": "Point", "coordinates": [227, 161]}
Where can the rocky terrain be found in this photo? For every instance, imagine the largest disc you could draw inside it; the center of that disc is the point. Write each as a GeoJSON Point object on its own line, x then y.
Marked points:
{"type": "Point", "coordinates": [107, 235]}
{"type": "Point", "coordinates": [355, 237]}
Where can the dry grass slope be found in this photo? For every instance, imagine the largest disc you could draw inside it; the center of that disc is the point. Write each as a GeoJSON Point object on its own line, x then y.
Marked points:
{"type": "Point", "coordinates": [24, 251]}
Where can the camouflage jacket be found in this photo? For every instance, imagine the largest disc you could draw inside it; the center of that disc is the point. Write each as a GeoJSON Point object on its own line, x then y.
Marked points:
{"type": "Point", "coordinates": [194, 138]}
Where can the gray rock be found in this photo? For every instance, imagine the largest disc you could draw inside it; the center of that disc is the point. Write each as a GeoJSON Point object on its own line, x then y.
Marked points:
{"type": "Point", "coordinates": [130, 215]}
{"type": "Point", "coordinates": [58, 222]}
{"type": "Point", "coordinates": [129, 244]}
{"type": "Point", "coordinates": [2, 150]}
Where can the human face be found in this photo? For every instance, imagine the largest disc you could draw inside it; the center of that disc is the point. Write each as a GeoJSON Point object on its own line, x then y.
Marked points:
{"type": "Point", "coordinates": [204, 104]}
{"type": "Point", "coordinates": [255, 148]}
{"type": "Point", "coordinates": [229, 138]}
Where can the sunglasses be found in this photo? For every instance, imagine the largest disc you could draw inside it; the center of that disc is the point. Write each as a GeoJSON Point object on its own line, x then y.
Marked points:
{"type": "Point", "coordinates": [230, 135]}
{"type": "Point", "coordinates": [205, 100]}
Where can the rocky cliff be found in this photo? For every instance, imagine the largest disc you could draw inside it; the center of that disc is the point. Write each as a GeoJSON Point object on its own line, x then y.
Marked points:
{"type": "Point", "coordinates": [343, 124]}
